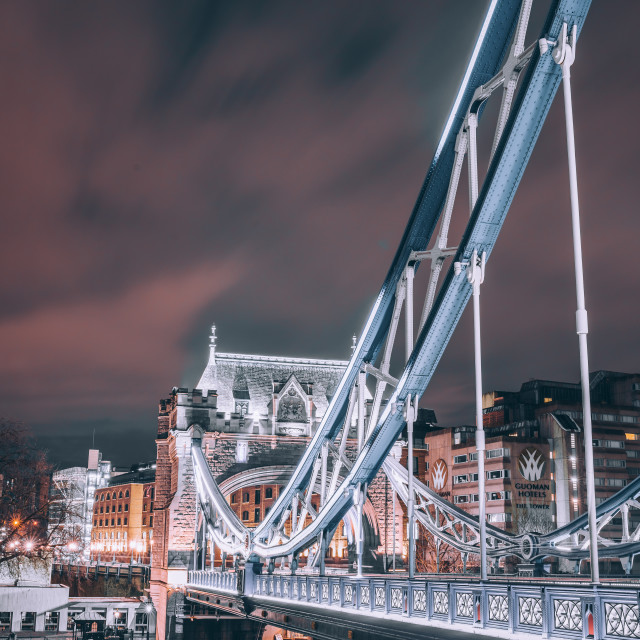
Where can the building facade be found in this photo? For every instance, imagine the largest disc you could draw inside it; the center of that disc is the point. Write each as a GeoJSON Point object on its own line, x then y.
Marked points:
{"type": "Point", "coordinates": [534, 460]}
{"type": "Point", "coordinates": [122, 525]}
{"type": "Point", "coordinates": [73, 492]}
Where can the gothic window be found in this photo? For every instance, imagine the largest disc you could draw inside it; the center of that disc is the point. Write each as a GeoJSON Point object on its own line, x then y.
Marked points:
{"type": "Point", "coordinates": [126, 493]}
{"type": "Point", "coordinates": [120, 495]}
{"type": "Point", "coordinates": [291, 407]}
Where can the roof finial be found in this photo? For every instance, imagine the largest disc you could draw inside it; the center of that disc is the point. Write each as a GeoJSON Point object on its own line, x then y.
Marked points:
{"type": "Point", "coordinates": [213, 338]}
{"type": "Point", "coordinates": [353, 343]}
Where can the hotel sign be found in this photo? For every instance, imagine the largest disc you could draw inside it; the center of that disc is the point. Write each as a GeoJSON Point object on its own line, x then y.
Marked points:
{"type": "Point", "coordinates": [531, 465]}
{"type": "Point", "coordinates": [439, 474]}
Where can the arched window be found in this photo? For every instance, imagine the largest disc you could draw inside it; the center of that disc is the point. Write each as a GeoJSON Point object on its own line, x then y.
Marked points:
{"type": "Point", "coordinates": [114, 495]}
{"type": "Point", "coordinates": [102, 496]}
{"type": "Point", "coordinates": [245, 515]}
{"type": "Point", "coordinates": [120, 495]}
{"type": "Point", "coordinates": [126, 493]}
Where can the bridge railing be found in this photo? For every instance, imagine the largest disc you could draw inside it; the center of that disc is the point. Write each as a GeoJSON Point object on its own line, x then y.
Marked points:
{"type": "Point", "coordinates": [218, 580]}
{"type": "Point", "coordinates": [543, 609]}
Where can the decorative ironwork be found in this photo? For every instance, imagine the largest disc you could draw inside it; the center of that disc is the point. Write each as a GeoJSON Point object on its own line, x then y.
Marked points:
{"type": "Point", "coordinates": [365, 595]}
{"type": "Point", "coordinates": [464, 605]}
{"type": "Point", "coordinates": [348, 593]}
{"type": "Point", "coordinates": [396, 598]}
{"type": "Point", "coordinates": [498, 608]}
{"type": "Point", "coordinates": [285, 589]}
{"type": "Point", "coordinates": [530, 611]}
{"type": "Point", "coordinates": [314, 591]}
{"type": "Point", "coordinates": [622, 620]}
{"type": "Point", "coordinates": [379, 596]}
{"type": "Point", "coordinates": [303, 589]}
{"type": "Point", "coordinates": [419, 600]}
{"type": "Point", "coordinates": [567, 615]}
{"type": "Point", "coordinates": [325, 591]}
{"type": "Point", "coordinates": [336, 592]}
{"type": "Point", "coordinates": [295, 588]}
{"type": "Point", "coordinates": [441, 602]}
{"type": "Point", "coordinates": [278, 587]}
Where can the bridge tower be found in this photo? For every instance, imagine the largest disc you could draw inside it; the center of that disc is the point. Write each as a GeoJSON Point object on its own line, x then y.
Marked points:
{"type": "Point", "coordinates": [253, 416]}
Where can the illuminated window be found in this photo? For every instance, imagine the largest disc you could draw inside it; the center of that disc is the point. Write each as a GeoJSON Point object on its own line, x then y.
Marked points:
{"type": "Point", "coordinates": [632, 436]}
{"type": "Point", "coordinates": [5, 620]}
{"type": "Point", "coordinates": [547, 400]}
{"type": "Point", "coordinates": [51, 620]}
{"type": "Point", "coordinates": [28, 622]}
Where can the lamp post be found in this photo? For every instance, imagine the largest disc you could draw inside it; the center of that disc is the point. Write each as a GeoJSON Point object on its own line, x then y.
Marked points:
{"type": "Point", "coordinates": [149, 610]}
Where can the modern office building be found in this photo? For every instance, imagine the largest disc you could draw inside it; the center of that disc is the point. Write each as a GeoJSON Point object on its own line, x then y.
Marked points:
{"type": "Point", "coordinates": [70, 516]}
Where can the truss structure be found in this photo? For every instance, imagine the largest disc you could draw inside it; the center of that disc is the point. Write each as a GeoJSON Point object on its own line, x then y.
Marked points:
{"type": "Point", "coordinates": [334, 469]}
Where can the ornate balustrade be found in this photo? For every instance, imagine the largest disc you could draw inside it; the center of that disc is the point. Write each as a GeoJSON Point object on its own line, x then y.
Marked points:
{"type": "Point", "coordinates": [543, 609]}
{"type": "Point", "coordinates": [220, 581]}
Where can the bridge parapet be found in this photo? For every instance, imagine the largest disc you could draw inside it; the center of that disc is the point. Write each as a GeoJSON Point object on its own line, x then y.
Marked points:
{"type": "Point", "coordinates": [543, 609]}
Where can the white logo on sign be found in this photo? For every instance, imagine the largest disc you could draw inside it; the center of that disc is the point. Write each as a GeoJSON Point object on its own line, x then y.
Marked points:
{"type": "Point", "coordinates": [439, 474]}
{"type": "Point", "coordinates": [531, 463]}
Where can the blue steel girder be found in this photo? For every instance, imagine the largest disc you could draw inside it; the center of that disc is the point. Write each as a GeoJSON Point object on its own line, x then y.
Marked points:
{"type": "Point", "coordinates": [505, 172]}
{"type": "Point", "coordinates": [487, 56]}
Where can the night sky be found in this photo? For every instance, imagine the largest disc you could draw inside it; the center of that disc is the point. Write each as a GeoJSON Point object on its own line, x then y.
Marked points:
{"type": "Point", "coordinates": [167, 165]}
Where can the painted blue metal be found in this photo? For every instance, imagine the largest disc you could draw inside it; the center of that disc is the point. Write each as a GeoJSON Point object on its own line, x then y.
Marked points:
{"type": "Point", "coordinates": [488, 54]}
{"type": "Point", "coordinates": [505, 172]}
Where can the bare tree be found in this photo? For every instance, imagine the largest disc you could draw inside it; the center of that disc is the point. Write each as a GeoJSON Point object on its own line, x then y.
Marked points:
{"type": "Point", "coordinates": [25, 500]}
{"type": "Point", "coordinates": [434, 556]}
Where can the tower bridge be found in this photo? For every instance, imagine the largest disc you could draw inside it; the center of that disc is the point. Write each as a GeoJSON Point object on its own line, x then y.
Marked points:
{"type": "Point", "coordinates": [322, 436]}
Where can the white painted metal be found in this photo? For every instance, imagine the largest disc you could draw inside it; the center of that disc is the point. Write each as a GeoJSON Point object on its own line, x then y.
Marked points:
{"type": "Point", "coordinates": [362, 377]}
{"type": "Point", "coordinates": [564, 55]}
{"type": "Point", "coordinates": [475, 275]}
{"type": "Point", "coordinates": [411, 409]}
{"type": "Point", "coordinates": [511, 72]}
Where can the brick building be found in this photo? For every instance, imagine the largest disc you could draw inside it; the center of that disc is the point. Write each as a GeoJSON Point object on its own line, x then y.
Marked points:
{"type": "Point", "coordinates": [535, 475]}
{"type": "Point", "coordinates": [123, 515]}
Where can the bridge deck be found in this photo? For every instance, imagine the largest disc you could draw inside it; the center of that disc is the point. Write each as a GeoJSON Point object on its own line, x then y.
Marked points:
{"type": "Point", "coordinates": [432, 606]}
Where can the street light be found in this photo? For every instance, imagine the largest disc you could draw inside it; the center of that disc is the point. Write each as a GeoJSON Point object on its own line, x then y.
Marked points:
{"type": "Point", "coordinates": [148, 608]}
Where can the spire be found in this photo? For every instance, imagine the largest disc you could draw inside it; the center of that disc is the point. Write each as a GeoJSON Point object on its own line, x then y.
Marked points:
{"type": "Point", "coordinates": [213, 338]}
{"type": "Point", "coordinates": [209, 375]}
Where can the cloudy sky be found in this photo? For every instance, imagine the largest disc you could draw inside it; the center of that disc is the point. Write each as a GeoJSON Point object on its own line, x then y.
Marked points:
{"type": "Point", "coordinates": [167, 165]}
